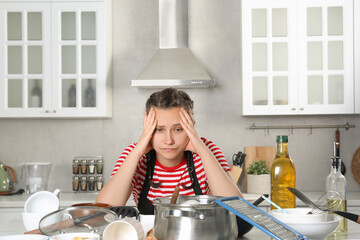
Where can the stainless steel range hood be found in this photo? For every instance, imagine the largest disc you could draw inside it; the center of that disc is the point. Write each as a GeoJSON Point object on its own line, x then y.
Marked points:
{"type": "Point", "coordinates": [173, 65]}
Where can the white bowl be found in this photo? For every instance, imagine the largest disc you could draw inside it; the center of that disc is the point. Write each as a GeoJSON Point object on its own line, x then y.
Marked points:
{"type": "Point", "coordinates": [299, 215]}
{"type": "Point", "coordinates": [31, 220]}
{"type": "Point", "coordinates": [24, 237]}
{"type": "Point", "coordinates": [313, 226]}
{"type": "Point", "coordinates": [317, 230]}
{"type": "Point", "coordinates": [71, 236]}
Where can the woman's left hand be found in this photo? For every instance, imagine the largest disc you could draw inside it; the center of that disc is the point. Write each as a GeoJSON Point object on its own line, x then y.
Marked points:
{"type": "Point", "coordinates": [188, 124]}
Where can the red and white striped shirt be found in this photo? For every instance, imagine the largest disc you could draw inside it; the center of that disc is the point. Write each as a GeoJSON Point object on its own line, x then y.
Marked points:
{"type": "Point", "coordinates": [171, 177]}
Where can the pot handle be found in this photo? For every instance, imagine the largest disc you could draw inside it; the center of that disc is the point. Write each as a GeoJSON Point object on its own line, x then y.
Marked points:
{"type": "Point", "coordinates": [12, 173]}
{"type": "Point", "coordinates": [182, 213]}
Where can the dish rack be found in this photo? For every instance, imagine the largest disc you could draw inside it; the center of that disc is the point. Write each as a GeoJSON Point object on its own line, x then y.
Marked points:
{"type": "Point", "coordinates": [260, 219]}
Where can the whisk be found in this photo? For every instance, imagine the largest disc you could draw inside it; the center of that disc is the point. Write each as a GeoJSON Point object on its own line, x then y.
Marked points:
{"type": "Point", "coordinates": [328, 201]}
{"type": "Point", "coordinates": [308, 202]}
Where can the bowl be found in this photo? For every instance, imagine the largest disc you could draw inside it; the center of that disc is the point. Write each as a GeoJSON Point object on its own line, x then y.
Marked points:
{"type": "Point", "coordinates": [317, 230]}
{"type": "Point", "coordinates": [313, 226]}
{"type": "Point", "coordinates": [24, 237]}
{"type": "Point", "coordinates": [76, 236]}
{"type": "Point", "coordinates": [297, 215]}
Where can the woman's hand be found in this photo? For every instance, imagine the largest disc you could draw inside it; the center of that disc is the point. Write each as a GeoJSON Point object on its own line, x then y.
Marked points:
{"type": "Point", "coordinates": [188, 124]}
{"type": "Point", "coordinates": [149, 126]}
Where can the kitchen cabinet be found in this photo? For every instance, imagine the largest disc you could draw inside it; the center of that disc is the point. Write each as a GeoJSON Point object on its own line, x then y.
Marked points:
{"type": "Point", "coordinates": [297, 57]}
{"type": "Point", "coordinates": [357, 54]}
{"type": "Point", "coordinates": [55, 58]}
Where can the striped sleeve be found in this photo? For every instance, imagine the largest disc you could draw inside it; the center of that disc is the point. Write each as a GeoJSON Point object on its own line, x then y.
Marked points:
{"type": "Point", "coordinates": [217, 153]}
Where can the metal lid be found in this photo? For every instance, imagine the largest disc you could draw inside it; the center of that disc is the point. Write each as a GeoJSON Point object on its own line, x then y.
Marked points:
{"type": "Point", "coordinates": [77, 219]}
{"type": "Point", "coordinates": [282, 139]}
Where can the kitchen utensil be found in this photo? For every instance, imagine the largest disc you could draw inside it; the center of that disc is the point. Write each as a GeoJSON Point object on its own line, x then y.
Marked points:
{"type": "Point", "coordinates": [7, 178]}
{"type": "Point", "coordinates": [43, 202]}
{"type": "Point", "coordinates": [68, 223]}
{"type": "Point", "coordinates": [260, 219]}
{"type": "Point", "coordinates": [124, 229]}
{"type": "Point", "coordinates": [308, 202]}
{"type": "Point", "coordinates": [355, 165]}
{"type": "Point", "coordinates": [175, 195]}
{"type": "Point", "coordinates": [205, 220]}
{"type": "Point", "coordinates": [36, 176]}
{"type": "Point", "coordinates": [299, 214]}
{"type": "Point", "coordinates": [243, 226]}
{"type": "Point", "coordinates": [275, 205]}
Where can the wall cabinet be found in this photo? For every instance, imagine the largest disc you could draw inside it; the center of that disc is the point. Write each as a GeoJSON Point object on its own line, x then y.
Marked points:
{"type": "Point", "coordinates": [297, 57]}
{"type": "Point", "coordinates": [55, 59]}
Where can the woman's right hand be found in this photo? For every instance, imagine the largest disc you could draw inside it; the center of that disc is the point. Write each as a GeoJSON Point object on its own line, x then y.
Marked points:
{"type": "Point", "coordinates": [149, 126]}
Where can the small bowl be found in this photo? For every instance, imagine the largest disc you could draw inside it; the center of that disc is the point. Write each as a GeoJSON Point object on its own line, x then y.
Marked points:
{"type": "Point", "coordinates": [299, 215]}
{"type": "Point", "coordinates": [77, 236]}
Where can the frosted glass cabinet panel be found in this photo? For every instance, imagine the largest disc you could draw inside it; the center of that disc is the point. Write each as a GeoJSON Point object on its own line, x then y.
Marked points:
{"type": "Point", "coordinates": [297, 57]}
{"type": "Point", "coordinates": [53, 59]}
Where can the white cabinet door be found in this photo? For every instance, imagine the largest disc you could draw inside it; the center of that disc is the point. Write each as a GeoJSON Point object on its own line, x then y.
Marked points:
{"type": "Point", "coordinates": [357, 54]}
{"type": "Point", "coordinates": [325, 74]}
{"type": "Point", "coordinates": [25, 50]}
{"type": "Point", "coordinates": [297, 57]}
{"type": "Point", "coordinates": [54, 59]}
{"type": "Point", "coordinates": [78, 75]}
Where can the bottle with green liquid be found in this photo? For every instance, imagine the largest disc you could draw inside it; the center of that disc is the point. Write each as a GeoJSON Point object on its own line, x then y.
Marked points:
{"type": "Point", "coordinates": [335, 181]}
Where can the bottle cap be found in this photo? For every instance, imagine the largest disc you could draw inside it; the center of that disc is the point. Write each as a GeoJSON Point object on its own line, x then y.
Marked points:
{"type": "Point", "coordinates": [283, 138]}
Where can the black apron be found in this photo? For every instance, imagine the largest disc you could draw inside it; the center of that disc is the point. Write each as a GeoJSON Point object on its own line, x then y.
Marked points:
{"type": "Point", "coordinates": [144, 205]}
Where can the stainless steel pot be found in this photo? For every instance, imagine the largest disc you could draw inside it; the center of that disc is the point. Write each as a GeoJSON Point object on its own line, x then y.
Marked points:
{"type": "Point", "coordinates": [205, 220]}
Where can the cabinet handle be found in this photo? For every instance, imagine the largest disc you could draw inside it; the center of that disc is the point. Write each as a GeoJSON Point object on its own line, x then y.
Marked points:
{"type": "Point", "coordinates": [47, 111]}
{"type": "Point", "coordinates": [54, 111]}
{"type": "Point", "coordinates": [301, 109]}
{"type": "Point", "coordinates": [293, 109]}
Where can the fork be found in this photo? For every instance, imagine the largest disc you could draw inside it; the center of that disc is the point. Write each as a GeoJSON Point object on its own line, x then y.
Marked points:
{"type": "Point", "coordinates": [309, 203]}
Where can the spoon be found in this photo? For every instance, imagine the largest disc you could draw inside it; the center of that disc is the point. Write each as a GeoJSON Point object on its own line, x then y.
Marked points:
{"type": "Point", "coordinates": [175, 195]}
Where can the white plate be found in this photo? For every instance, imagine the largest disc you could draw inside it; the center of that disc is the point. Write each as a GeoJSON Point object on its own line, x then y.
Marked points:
{"type": "Point", "coordinates": [24, 237]}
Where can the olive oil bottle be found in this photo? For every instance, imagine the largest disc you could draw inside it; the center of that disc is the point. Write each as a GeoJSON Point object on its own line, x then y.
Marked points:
{"type": "Point", "coordinates": [335, 181]}
{"type": "Point", "coordinates": [282, 176]}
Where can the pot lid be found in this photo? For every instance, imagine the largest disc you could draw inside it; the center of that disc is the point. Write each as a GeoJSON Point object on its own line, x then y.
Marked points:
{"type": "Point", "coordinates": [77, 219]}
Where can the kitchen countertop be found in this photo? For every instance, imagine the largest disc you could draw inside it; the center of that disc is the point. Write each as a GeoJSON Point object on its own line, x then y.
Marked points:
{"type": "Point", "coordinates": [12, 223]}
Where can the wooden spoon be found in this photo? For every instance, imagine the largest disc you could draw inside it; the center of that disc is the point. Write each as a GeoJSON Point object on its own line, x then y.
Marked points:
{"type": "Point", "coordinates": [175, 195]}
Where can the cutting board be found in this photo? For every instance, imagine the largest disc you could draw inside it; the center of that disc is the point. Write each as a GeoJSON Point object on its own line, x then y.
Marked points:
{"type": "Point", "coordinates": [266, 153]}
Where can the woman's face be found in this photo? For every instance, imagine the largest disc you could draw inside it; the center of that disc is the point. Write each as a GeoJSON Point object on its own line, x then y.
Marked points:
{"type": "Point", "coordinates": [169, 139]}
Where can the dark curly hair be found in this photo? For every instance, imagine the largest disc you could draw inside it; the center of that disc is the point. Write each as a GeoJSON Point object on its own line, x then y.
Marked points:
{"type": "Point", "coordinates": [169, 98]}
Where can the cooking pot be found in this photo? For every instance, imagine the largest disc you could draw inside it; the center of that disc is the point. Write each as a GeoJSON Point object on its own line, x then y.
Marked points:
{"type": "Point", "coordinates": [7, 178]}
{"type": "Point", "coordinates": [202, 220]}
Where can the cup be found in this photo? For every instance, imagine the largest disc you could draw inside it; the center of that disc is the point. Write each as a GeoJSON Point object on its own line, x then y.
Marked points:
{"type": "Point", "coordinates": [124, 229]}
{"type": "Point", "coordinates": [31, 220]}
{"type": "Point", "coordinates": [147, 222]}
{"type": "Point", "coordinates": [42, 202]}
{"type": "Point", "coordinates": [36, 176]}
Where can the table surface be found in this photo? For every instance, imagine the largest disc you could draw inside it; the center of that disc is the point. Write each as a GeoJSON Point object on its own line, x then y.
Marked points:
{"type": "Point", "coordinates": [12, 223]}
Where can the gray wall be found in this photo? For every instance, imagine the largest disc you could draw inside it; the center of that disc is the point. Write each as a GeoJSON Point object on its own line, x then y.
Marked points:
{"type": "Point", "coordinates": [215, 39]}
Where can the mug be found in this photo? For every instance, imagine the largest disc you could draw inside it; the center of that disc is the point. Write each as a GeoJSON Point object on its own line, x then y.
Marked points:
{"type": "Point", "coordinates": [43, 202]}
{"type": "Point", "coordinates": [124, 229]}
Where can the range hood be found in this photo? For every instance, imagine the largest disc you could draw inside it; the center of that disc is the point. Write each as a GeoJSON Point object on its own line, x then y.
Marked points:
{"type": "Point", "coordinates": [173, 65]}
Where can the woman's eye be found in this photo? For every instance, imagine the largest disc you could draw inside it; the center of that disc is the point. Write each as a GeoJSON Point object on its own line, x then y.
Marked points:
{"type": "Point", "coordinates": [178, 129]}
{"type": "Point", "coordinates": [158, 129]}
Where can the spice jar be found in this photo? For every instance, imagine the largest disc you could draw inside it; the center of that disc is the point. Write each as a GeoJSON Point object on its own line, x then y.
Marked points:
{"type": "Point", "coordinates": [91, 166]}
{"type": "Point", "coordinates": [75, 166]}
{"type": "Point", "coordinates": [83, 183]}
{"type": "Point", "coordinates": [99, 183]}
{"type": "Point", "coordinates": [75, 183]}
{"type": "Point", "coordinates": [91, 183]}
{"type": "Point", "coordinates": [83, 166]}
{"type": "Point", "coordinates": [99, 166]}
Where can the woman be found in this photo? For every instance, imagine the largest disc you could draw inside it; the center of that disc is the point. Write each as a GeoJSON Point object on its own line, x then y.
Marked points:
{"type": "Point", "coordinates": [169, 153]}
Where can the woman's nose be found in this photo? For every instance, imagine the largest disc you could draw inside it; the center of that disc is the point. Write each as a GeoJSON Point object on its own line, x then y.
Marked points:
{"type": "Point", "coordinates": [169, 138]}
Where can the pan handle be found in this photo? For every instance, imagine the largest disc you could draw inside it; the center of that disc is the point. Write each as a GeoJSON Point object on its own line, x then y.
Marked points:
{"type": "Point", "coordinates": [183, 213]}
